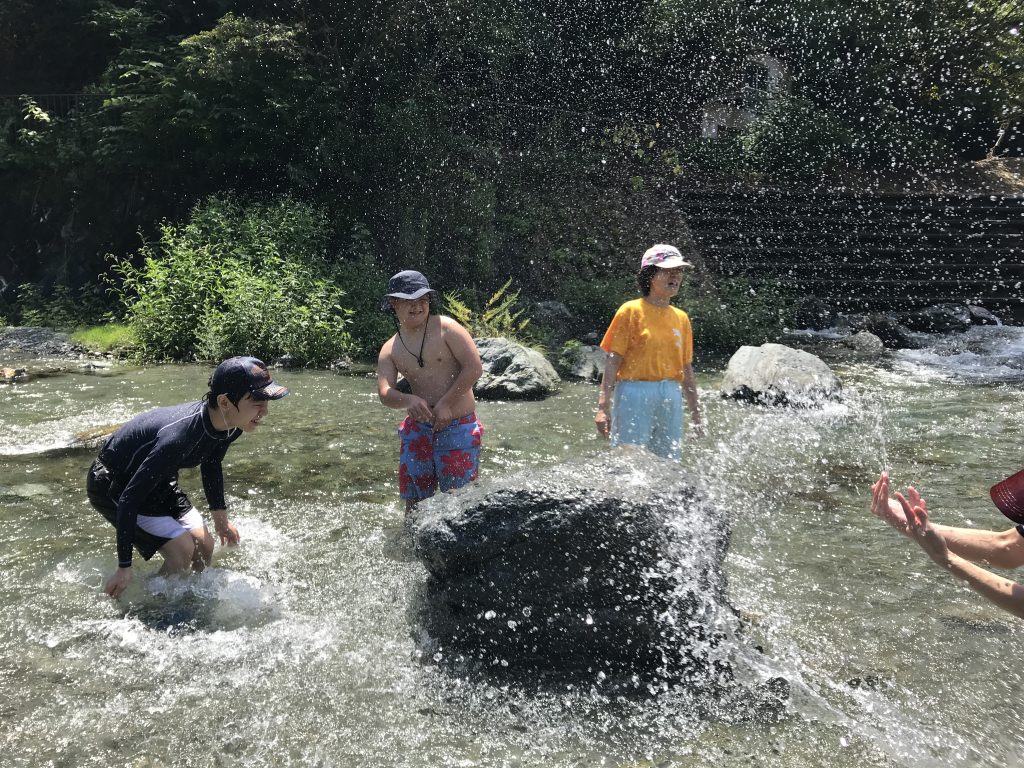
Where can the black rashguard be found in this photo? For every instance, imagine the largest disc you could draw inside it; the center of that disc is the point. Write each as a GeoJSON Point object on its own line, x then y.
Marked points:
{"type": "Point", "coordinates": [151, 448]}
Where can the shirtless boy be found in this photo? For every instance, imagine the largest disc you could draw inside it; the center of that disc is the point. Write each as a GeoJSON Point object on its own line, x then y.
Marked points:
{"type": "Point", "coordinates": [440, 436]}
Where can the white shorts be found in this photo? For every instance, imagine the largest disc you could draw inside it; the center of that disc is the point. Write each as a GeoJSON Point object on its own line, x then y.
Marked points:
{"type": "Point", "coordinates": [167, 527]}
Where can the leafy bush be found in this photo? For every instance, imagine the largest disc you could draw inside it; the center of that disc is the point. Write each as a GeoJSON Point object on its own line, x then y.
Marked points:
{"type": "Point", "coordinates": [794, 139]}
{"type": "Point", "coordinates": [733, 312]}
{"type": "Point", "coordinates": [499, 317]}
{"type": "Point", "coordinates": [365, 282]}
{"type": "Point", "coordinates": [60, 307]}
{"type": "Point", "coordinates": [238, 279]}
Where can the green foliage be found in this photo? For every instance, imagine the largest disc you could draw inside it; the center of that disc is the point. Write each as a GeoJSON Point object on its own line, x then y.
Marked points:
{"type": "Point", "coordinates": [60, 306]}
{"type": "Point", "coordinates": [238, 279]}
{"type": "Point", "coordinates": [110, 337]}
{"type": "Point", "coordinates": [364, 282]}
{"type": "Point", "coordinates": [499, 316]}
{"type": "Point", "coordinates": [733, 312]}
{"type": "Point", "coordinates": [793, 139]}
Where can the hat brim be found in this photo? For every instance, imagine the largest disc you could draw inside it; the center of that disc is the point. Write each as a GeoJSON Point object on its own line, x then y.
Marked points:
{"type": "Point", "coordinates": [672, 262]}
{"type": "Point", "coordinates": [385, 305]}
{"type": "Point", "coordinates": [270, 392]}
{"type": "Point", "coordinates": [1008, 496]}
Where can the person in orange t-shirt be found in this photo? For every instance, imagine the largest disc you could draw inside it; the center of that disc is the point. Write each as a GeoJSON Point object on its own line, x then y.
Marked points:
{"type": "Point", "coordinates": [650, 363]}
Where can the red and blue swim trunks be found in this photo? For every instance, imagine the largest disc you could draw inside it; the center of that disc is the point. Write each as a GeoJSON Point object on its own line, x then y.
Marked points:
{"type": "Point", "coordinates": [446, 459]}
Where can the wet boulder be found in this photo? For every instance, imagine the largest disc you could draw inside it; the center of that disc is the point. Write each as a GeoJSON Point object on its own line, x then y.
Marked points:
{"type": "Point", "coordinates": [605, 569]}
{"type": "Point", "coordinates": [981, 316]}
{"type": "Point", "coordinates": [583, 362]}
{"type": "Point", "coordinates": [863, 344]}
{"type": "Point", "coordinates": [889, 329]}
{"type": "Point", "coordinates": [940, 318]}
{"type": "Point", "coordinates": [774, 374]}
{"type": "Point", "coordinates": [514, 372]}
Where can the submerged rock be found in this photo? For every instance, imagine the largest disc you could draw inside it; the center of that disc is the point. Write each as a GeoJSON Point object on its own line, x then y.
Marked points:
{"type": "Point", "coordinates": [774, 374]}
{"type": "Point", "coordinates": [608, 569]}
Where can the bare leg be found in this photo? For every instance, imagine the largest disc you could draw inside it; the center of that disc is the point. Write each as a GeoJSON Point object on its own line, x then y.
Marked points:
{"type": "Point", "coordinates": [178, 554]}
{"type": "Point", "coordinates": [204, 548]}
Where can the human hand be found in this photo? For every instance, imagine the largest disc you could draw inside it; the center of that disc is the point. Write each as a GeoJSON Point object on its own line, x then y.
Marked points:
{"type": "Point", "coordinates": [442, 416]}
{"type": "Point", "coordinates": [228, 533]}
{"type": "Point", "coordinates": [603, 422]}
{"type": "Point", "coordinates": [891, 510]}
{"type": "Point", "coordinates": [697, 427]}
{"type": "Point", "coordinates": [118, 582]}
{"type": "Point", "coordinates": [419, 410]}
{"type": "Point", "coordinates": [920, 529]}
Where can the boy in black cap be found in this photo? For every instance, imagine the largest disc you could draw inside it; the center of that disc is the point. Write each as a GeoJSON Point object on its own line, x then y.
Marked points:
{"type": "Point", "coordinates": [440, 436]}
{"type": "Point", "coordinates": [134, 481]}
{"type": "Point", "coordinates": [958, 550]}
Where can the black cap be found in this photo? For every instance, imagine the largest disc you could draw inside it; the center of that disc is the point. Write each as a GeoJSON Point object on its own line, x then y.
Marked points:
{"type": "Point", "coordinates": [406, 285]}
{"type": "Point", "coordinates": [245, 374]}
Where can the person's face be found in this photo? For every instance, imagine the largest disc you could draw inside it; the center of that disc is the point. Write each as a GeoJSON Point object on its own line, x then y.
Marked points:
{"type": "Point", "coordinates": [665, 283]}
{"type": "Point", "coordinates": [246, 416]}
{"type": "Point", "coordinates": [412, 312]}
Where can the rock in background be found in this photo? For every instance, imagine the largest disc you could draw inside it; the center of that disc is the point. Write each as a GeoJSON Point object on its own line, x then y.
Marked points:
{"type": "Point", "coordinates": [513, 372]}
{"type": "Point", "coordinates": [609, 568]}
{"type": "Point", "coordinates": [774, 374]}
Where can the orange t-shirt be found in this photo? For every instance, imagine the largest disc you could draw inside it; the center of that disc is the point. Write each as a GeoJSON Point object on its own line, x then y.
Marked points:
{"type": "Point", "coordinates": [655, 343]}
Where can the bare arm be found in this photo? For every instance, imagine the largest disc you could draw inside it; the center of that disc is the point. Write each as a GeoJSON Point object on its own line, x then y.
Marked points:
{"type": "Point", "coordinates": [1000, 591]}
{"type": "Point", "coordinates": [603, 418]}
{"type": "Point", "coordinates": [464, 350]}
{"type": "Point", "coordinates": [1000, 549]}
{"type": "Point", "coordinates": [388, 392]}
{"type": "Point", "coordinates": [690, 393]}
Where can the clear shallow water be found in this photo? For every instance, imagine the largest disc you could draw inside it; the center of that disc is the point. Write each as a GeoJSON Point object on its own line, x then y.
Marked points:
{"type": "Point", "coordinates": [295, 648]}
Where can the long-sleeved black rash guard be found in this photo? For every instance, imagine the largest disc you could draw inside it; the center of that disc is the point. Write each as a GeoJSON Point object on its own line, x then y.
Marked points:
{"type": "Point", "coordinates": [151, 448]}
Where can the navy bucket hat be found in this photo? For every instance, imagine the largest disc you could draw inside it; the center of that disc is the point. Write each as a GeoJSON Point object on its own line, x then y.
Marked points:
{"type": "Point", "coordinates": [409, 285]}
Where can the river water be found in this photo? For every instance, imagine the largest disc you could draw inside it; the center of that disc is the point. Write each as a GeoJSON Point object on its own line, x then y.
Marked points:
{"type": "Point", "coordinates": [295, 648]}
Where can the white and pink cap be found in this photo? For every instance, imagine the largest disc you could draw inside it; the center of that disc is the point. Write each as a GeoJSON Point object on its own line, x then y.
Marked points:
{"type": "Point", "coordinates": [664, 256]}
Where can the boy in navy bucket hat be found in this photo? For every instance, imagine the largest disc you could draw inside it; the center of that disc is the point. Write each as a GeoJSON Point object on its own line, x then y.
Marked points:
{"type": "Point", "coordinates": [440, 436]}
{"type": "Point", "coordinates": [959, 550]}
{"type": "Point", "coordinates": [134, 481]}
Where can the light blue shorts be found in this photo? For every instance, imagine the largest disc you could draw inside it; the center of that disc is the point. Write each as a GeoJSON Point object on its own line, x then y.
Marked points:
{"type": "Point", "coordinates": [649, 413]}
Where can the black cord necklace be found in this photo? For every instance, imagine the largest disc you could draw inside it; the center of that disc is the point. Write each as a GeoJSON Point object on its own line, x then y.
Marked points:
{"type": "Point", "coordinates": [419, 357]}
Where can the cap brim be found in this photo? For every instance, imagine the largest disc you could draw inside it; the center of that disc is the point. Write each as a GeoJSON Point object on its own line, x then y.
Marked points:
{"type": "Point", "coordinates": [270, 392]}
{"type": "Point", "coordinates": [1008, 496]}
{"type": "Point", "coordinates": [672, 262]}
{"type": "Point", "coordinates": [385, 305]}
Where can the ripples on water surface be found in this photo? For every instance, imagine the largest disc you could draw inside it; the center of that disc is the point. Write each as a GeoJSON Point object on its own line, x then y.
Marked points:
{"type": "Point", "coordinates": [295, 649]}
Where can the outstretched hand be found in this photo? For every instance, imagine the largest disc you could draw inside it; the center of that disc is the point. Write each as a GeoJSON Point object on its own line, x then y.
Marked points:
{"type": "Point", "coordinates": [890, 510]}
{"type": "Point", "coordinates": [920, 528]}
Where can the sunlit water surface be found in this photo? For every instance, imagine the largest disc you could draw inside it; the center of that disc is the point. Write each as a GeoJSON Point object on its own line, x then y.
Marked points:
{"type": "Point", "coordinates": [295, 649]}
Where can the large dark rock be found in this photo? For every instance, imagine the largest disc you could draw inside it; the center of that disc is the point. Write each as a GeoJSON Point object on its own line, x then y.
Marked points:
{"type": "Point", "coordinates": [513, 372]}
{"type": "Point", "coordinates": [939, 318]}
{"type": "Point", "coordinates": [889, 329]}
{"type": "Point", "coordinates": [606, 569]}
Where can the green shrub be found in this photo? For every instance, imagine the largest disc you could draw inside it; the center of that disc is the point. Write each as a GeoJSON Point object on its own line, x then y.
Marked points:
{"type": "Point", "coordinates": [732, 312]}
{"type": "Point", "coordinates": [238, 279]}
{"type": "Point", "coordinates": [365, 284]}
{"type": "Point", "coordinates": [499, 316]}
{"type": "Point", "coordinates": [794, 139]}
{"type": "Point", "coordinates": [60, 307]}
